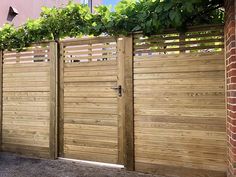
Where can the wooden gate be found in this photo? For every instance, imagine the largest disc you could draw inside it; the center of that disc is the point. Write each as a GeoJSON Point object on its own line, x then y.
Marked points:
{"type": "Point", "coordinates": [90, 125]}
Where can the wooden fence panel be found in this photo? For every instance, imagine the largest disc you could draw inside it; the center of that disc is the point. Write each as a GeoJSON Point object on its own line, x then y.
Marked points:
{"type": "Point", "coordinates": [28, 101]}
{"type": "Point", "coordinates": [168, 117]}
{"type": "Point", "coordinates": [179, 104]}
{"type": "Point", "coordinates": [89, 105]}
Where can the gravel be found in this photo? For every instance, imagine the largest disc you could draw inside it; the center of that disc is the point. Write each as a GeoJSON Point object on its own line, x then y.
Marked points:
{"type": "Point", "coordinates": [18, 166]}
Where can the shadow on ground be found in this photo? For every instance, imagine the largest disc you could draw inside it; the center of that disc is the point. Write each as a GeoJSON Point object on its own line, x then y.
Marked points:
{"type": "Point", "coordinates": [17, 166]}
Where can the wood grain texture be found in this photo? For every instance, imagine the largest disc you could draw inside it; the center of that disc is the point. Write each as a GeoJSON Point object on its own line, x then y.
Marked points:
{"type": "Point", "coordinates": [170, 119]}
{"type": "Point", "coordinates": [61, 103]}
{"type": "Point", "coordinates": [172, 42]}
{"type": "Point", "coordinates": [53, 146]}
{"type": "Point", "coordinates": [121, 99]}
{"type": "Point", "coordinates": [89, 125]}
{"type": "Point", "coordinates": [129, 104]}
{"type": "Point", "coordinates": [26, 99]}
{"type": "Point", "coordinates": [179, 110]}
{"type": "Point", "coordinates": [179, 103]}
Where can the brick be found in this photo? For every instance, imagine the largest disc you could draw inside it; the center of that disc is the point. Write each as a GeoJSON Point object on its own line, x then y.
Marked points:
{"type": "Point", "coordinates": [233, 149]}
{"type": "Point", "coordinates": [231, 107]}
{"type": "Point", "coordinates": [231, 24]}
{"type": "Point", "coordinates": [233, 135]}
{"type": "Point", "coordinates": [231, 93]}
{"type": "Point", "coordinates": [231, 59]}
{"type": "Point", "coordinates": [229, 39]}
{"type": "Point", "coordinates": [231, 44]}
{"type": "Point", "coordinates": [231, 120]}
{"type": "Point", "coordinates": [233, 79]}
{"type": "Point", "coordinates": [231, 114]}
{"type": "Point", "coordinates": [231, 66]}
{"type": "Point", "coordinates": [233, 130]}
{"type": "Point", "coordinates": [233, 142]}
{"type": "Point", "coordinates": [231, 29]}
{"type": "Point", "coordinates": [231, 86]}
{"type": "Point", "coordinates": [230, 53]}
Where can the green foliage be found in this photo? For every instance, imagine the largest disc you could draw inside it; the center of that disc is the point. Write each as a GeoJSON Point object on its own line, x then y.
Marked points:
{"type": "Point", "coordinates": [6, 36]}
{"type": "Point", "coordinates": [148, 16]}
{"type": "Point", "coordinates": [73, 20]}
{"type": "Point", "coordinates": [152, 16]}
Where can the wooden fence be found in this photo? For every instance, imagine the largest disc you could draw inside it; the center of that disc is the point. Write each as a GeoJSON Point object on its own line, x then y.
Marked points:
{"type": "Point", "coordinates": [154, 104]}
{"type": "Point", "coordinates": [29, 100]}
{"type": "Point", "coordinates": [179, 103]}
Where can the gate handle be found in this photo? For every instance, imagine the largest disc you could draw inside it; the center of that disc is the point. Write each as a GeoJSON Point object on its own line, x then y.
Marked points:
{"type": "Point", "coordinates": [119, 90]}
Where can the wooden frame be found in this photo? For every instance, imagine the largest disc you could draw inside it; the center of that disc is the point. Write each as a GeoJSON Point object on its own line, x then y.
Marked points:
{"type": "Point", "coordinates": [121, 100]}
{"type": "Point", "coordinates": [53, 100]}
{"type": "Point", "coordinates": [125, 103]}
{"type": "Point", "coordinates": [129, 104]}
{"type": "Point", "coordinates": [61, 102]}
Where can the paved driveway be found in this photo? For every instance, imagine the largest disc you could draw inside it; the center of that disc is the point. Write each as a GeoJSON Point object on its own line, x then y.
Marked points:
{"type": "Point", "coordinates": [16, 166]}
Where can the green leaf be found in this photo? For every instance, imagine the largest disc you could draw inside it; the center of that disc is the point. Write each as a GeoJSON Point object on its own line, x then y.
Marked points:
{"type": "Point", "coordinates": [189, 6]}
{"type": "Point", "coordinates": [172, 15]}
{"type": "Point", "coordinates": [177, 19]}
{"type": "Point", "coordinates": [136, 28]}
{"type": "Point", "coordinates": [158, 9]}
{"type": "Point", "coordinates": [148, 16]}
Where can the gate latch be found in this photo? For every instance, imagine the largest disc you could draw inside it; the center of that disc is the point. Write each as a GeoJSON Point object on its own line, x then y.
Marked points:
{"type": "Point", "coordinates": [118, 89]}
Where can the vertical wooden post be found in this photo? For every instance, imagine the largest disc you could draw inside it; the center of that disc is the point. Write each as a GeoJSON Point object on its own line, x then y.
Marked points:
{"type": "Point", "coordinates": [53, 100]}
{"type": "Point", "coordinates": [121, 100]}
{"type": "Point", "coordinates": [129, 104]}
{"type": "Point", "coordinates": [126, 108]}
{"type": "Point", "coordinates": [1, 96]}
{"type": "Point", "coordinates": [61, 101]}
{"type": "Point", "coordinates": [181, 41]}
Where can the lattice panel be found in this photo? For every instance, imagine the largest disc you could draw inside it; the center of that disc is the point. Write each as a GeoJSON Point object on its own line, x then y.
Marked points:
{"type": "Point", "coordinates": [197, 39]}
{"type": "Point", "coordinates": [89, 50]}
{"type": "Point", "coordinates": [35, 53]}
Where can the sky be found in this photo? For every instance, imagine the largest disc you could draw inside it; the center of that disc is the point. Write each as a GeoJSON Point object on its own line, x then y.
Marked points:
{"type": "Point", "coordinates": [110, 2]}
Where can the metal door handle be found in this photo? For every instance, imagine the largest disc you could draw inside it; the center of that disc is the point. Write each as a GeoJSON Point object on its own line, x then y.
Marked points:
{"type": "Point", "coordinates": [119, 90]}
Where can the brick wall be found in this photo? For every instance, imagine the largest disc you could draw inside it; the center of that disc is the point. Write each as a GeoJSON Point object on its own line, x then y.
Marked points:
{"type": "Point", "coordinates": [230, 54]}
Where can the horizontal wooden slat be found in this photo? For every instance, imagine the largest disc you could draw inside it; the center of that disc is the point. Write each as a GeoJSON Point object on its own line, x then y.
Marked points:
{"type": "Point", "coordinates": [193, 36]}
{"type": "Point", "coordinates": [27, 150]}
{"type": "Point", "coordinates": [86, 47]}
{"type": "Point", "coordinates": [90, 121]}
{"type": "Point", "coordinates": [91, 79]}
{"type": "Point", "coordinates": [90, 73]}
{"type": "Point", "coordinates": [91, 156]}
{"type": "Point", "coordinates": [90, 64]}
{"type": "Point", "coordinates": [26, 104]}
{"type": "Point", "coordinates": [171, 41]}
{"type": "Point", "coordinates": [91, 142]}
{"type": "Point", "coordinates": [179, 107]}
{"type": "Point", "coordinates": [163, 43]}
{"type": "Point", "coordinates": [89, 40]}
{"type": "Point", "coordinates": [170, 169]}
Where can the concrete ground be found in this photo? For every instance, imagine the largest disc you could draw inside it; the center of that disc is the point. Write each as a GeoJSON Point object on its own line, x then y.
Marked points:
{"type": "Point", "coordinates": [17, 166]}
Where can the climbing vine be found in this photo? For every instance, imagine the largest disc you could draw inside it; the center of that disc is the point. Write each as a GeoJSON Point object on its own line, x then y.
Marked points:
{"type": "Point", "coordinates": [128, 16]}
